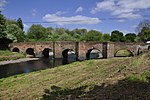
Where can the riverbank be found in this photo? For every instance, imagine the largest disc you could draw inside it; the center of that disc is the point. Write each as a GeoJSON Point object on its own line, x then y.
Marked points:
{"type": "Point", "coordinates": [17, 61]}
{"type": "Point", "coordinates": [105, 79]}
{"type": "Point", "coordinates": [6, 55]}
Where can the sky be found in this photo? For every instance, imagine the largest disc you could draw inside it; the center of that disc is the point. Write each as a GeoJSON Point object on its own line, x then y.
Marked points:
{"type": "Point", "coordinates": [101, 15]}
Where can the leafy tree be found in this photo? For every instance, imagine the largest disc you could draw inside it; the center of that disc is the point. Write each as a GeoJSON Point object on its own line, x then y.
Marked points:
{"type": "Point", "coordinates": [92, 35]}
{"type": "Point", "coordinates": [20, 24]}
{"type": "Point", "coordinates": [106, 37]}
{"type": "Point", "coordinates": [2, 26]}
{"type": "Point", "coordinates": [15, 33]}
{"type": "Point", "coordinates": [60, 31]}
{"type": "Point", "coordinates": [130, 37]}
{"type": "Point", "coordinates": [80, 31]}
{"type": "Point", "coordinates": [143, 30]}
{"type": "Point", "coordinates": [37, 32]}
{"type": "Point", "coordinates": [65, 37]}
{"type": "Point", "coordinates": [117, 36]}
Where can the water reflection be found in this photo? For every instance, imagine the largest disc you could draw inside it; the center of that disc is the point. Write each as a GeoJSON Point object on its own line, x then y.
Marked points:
{"type": "Point", "coordinates": [30, 66]}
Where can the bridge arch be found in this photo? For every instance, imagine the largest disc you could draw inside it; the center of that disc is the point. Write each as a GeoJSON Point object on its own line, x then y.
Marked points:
{"type": "Point", "coordinates": [30, 51]}
{"type": "Point", "coordinates": [46, 52]}
{"type": "Point", "coordinates": [123, 53]}
{"type": "Point", "coordinates": [68, 53]}
{"type": "Point", "coordinates": [93, 54]}
{"type": "Point", "coordinates": [15, 49]}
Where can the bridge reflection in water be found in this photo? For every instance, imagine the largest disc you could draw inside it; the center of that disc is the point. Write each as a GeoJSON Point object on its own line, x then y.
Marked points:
{"type": "Point", "coordinates": [42, 63]}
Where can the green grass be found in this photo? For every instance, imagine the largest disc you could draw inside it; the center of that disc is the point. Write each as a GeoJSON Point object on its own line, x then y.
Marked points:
{"type": "Point", "coordinates": [8, 55]}
{"type": "Point", "coordinates": [124, 53]}
{"type": "Point", "coordinates": [104, 79]}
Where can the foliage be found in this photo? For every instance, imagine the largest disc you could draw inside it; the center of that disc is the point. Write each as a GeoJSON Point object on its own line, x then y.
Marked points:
{"type": "Point", "coordinates": [143, 30]}
{"type": "Point", "coordinates": [130, 37]}
{"type": "Point", "coordinates": [117, 36]}
{"type": "Point", "coordinates": [37, 32]}
{"type": "Point", "coordinates": [65, 37]}
{"type": "Point", "coordinates": [106, 37]}
{"type": "Point", "coordinates": [20, 24]}
{"type": "Point", "coordinates": [2, 26]}
{"type": "Point", "coordinates": [92, 35]}
{"type": "Point", "coordinates": [15, 33]}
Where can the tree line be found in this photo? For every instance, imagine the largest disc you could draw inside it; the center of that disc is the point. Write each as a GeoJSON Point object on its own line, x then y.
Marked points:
{"type": "Point", "coordinates": [12, 31]}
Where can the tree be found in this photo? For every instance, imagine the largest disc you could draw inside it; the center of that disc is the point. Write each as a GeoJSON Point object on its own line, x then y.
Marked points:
{"type": "Point", "coordinates": [80, 31]}
{"type": "Point", "coordinates": [143, 30]}
{"type": "Point", "coordinates": [65, 37]}
{"type": "Point", "coordinates": [130, 37]}
{"type": "Point", "coordinates": [2, 26]}
{"type": "Point", "coordinates": [20, 24]}
{"type": "Point", "coordinates": [106, 37]}
{"type": "Point", "coordinates": [15, 33]}
{"type": "Point", "coordinates": [117, 36]}
{"type": "Point", "coordinates": [92, 35]}
{"type": "Point", "coordinates": [37, 32]}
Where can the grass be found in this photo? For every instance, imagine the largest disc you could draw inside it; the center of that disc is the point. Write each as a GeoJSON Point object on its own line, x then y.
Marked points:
{"type": "Point", "coordinates": [104, 79]}
{"type": "Point", "coordinates": [8, 55]}
{"type": "Point", "coordinates": [124, 53]}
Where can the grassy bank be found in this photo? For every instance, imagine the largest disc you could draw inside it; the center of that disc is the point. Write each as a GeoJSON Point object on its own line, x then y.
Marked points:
{"type": "Point", "coordinates": [104, 79]}
{"type": "Point", "coordinates": [8, 55]}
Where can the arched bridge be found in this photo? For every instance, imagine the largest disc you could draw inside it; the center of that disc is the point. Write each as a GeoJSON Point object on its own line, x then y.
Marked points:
{"type": "Point", "coordinates": [81, 49]}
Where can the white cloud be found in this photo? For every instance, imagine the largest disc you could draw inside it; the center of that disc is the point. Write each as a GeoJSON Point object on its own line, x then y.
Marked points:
{"type": "Point", "coordinates": [60, 12]}
{"type": "Point", "coordinates": [128, 9]}
{"type": "Point", "coordinates": [34, 12]}
{"type": "Point", "coordinates": [26, 27]}
{"type": "Point", "coordinates": [79, 19]}
{"type": "Point", "coordinates": [2, 4]}
{"type": "Point", "coordinates": [79, 9]}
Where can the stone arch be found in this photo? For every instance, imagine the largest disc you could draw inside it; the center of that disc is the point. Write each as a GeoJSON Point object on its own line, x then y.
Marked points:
{"type": "Point", "coordinates": [46, 52]}
{"type": "Point", "coordinates": [123, 53]}
{"type": "Point", "coordinates": [30, 51]}
{"type": "Point", "coordinates": [96, 54]}
{"type": "Point", "coordinates": [15, 49]}
{"type": "Point", "coordinates": [67, 52]}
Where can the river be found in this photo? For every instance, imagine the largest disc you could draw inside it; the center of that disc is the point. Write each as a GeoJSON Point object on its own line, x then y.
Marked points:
{"type": "Point", "coordinates": [35, 65]}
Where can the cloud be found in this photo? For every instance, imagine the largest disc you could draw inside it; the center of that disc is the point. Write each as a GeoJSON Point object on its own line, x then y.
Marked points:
{"type": "Point", "coordinates": [2, 4]}
{"type": "Point", "coordinates": [79, 19]}
{"type": "Point", "coordinates": [34, 12]}
{"type": "Point", "coordinates": [60, 12]}
{"type": "Point", "coordinates": [26, 27]}
{"type": "Point", "coordinates": [128, 9]}
{"type": "Point", "coordinates": [79, 9]}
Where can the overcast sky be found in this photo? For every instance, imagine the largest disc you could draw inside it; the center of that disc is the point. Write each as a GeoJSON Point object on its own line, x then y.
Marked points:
{"type": "Point", "coordinates": [101, 15]}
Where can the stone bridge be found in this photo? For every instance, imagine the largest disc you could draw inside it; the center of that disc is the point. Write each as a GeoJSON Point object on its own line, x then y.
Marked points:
{"type": "Point", "coordinates": [82, 50]}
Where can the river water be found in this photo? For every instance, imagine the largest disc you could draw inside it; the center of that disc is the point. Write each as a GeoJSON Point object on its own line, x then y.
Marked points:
{"type": "Point", "coordinates": [42, 63]}
{"type": "Point", "coordinates": [30, 66]}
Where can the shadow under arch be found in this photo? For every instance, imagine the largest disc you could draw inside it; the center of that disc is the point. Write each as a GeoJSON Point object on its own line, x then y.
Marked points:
{"type": "Point", "coordinates": [68, 53]}
{"type": "Point", "coordinates": [30, 51]}
{"type": "Point", "coordinates": [94, 54]}
{"type": "Point", "coordinates": [123, 53]}
{"type": "Point", "coordinates": [15, 49]}
{"type": "Point", "coordinates": [46, 52]}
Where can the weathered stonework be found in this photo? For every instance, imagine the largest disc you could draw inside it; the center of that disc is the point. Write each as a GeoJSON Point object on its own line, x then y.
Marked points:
{"type": "Point", "coordinates": [108, 49]}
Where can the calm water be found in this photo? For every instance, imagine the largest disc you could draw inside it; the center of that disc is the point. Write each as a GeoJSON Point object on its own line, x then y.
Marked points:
{"type": "Point", "coordinates": [30, 66]}
{"type": "Point", "coordinates": [42, 63]}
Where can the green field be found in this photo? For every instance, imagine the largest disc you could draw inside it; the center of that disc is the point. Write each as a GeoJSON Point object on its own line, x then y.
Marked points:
{"type": "Point", "coordinates": [8, 55]}
{"type": "Point", "coordinates": [104, 79]}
